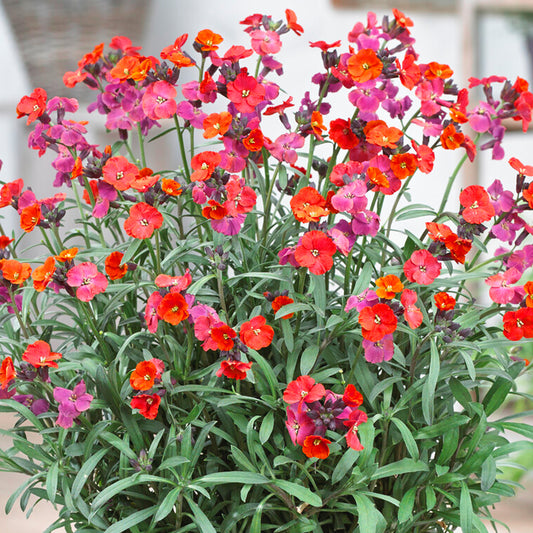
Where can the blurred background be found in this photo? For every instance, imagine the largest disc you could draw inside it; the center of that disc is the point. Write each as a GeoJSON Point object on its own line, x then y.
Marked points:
{"type": "Point", "coordinates": [42, 39]}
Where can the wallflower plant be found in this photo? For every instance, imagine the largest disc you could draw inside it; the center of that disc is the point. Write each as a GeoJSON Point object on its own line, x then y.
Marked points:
{"type": "Point", "coordinates": [259, 339]}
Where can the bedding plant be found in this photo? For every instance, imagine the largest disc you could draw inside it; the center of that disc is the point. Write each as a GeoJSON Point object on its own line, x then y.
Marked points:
{"type": "Point", "coordinates": [271, 336]}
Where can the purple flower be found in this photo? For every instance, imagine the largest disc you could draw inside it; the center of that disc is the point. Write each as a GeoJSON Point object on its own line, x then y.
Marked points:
{"type": "Point", "coordinates": [229, 225]}
{"type": "Point", "coordinates": [193, 114]}
{"type": "Point", "coordinates": [37, 407]}
{"type": "Point", "coordinates": [71, 403]}
{"type": "Point", "coordinates": [501, 200]}
{"type": "Point", "coordinates": [506, 229]}
{"type": "Point", "coordinates": [367, 298]}
{"type": "Point", "coordinates": [365, 223]}
{"type": "Point", "coordinates": [379, 351]}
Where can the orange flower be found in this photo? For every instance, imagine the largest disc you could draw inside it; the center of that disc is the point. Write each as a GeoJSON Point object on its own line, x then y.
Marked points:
{"type": "Point", "coordinates": [378, 133]}
{"type": "Point", "coordinates": [450, 138]}
{"type": "Point", "coordinates": [308, 205]}
{"type": "Point", "coordinates": [436, 70]}
{"type": "Point", "coordinates": [316, 446]}
{"type": "Point", "coordinates": [30, 216]}
{"type": "Point", "coordinates": [131, 68]}
{"type": "Point", "coordinates": [7, 372]}
{"type": "Point", "coordinates": [255, 140]}
{"type": "Point", "coordinates": [113, 268]}
{"type": "Point", "coordinates": [171, 187]}
{"type": "Point", "coordinates": [528, 287]}
{"type": "Point", "coordinates": [291, 22]}
{"type": "Point", "coordinates": [144, 180]}
{"type": "Point", "coordinates": [15, 272]}
{"type": "Point", "coordinates": [214, 211]}
{"type": "Point", "coordinates": [403, 165]}
{"type": "Point", "coordinates": [174, 54]}
{"type": "Point", "coordinates": [143, 377]}
{"type": "Point", "coordinates": [401, 19]}
{"type": "Point", "coordinates": [388, 286]}
{"type": "Point", "coordinates": [317, 124]}
{"type": "Point", "coordinates": [281, 301]}
{"type": "Point", "coordinates": [377, 177]}
{"type": "Point", "coordinates": [42, 275]}
{"type": "Point", "coordinates": [208, 40]}
{"type": "Point", "coordinates": [66, 255]}
{"type": "Point", "coordinates": [204, 165]}
{"type": "Point", "coordinates": [216, 124]}
{"type": "Point", "coordinates": [444, 301]}
{"type": "Point", "coordinates": [364, 66]}
{"type": "Point", "coordinates": [173, 308]}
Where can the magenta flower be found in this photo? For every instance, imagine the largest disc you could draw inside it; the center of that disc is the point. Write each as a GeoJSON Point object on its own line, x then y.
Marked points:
{"type": "Point", "coordinates": [159, 100]}
{"type": "Point", "coordinates": [351, 198]}
{"type": "Point", "coordinates": [233, 157]}
{"type": "Point", "coordinates": [283, 148]}
{"type": "Point", "coordinates": [37, 407]}
{"type": "Point", "coordinates": [150, 312]}
{"type": "Point", "coordinates": [298, 423]}
{"type": "Point", "coordinates": [501, 200]}
{"type": "Point", "coordinates": [365, 223]}
{"type": "Point", "coordinates": [194, 115]}
{"type": "Point", "coordinates": [286, 255]}
{"type": "Point", "coordinates": [71, 403]}
{"type": "Point", "coordinates": [480, 119]}
{"type": "Point", "coordinates": [506, 229]}
{"type": "Point", "coordinates": [229, 225]}
{"type": "Point", "coordinates": [422, 267]}
{"type": "Point", "coordinates": [379, 351]}
{"type": "Point", "coordinates": [89, 281]}
{"type": "Point", "coordinates": [343, 236]}
{"type": "Point", "coordinates": [367, 298]}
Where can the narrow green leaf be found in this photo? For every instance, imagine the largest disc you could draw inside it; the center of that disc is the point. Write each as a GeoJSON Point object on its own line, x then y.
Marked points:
{"type": "Point", "coordinates": [407, 437]}
{"type": "Point", "coordinates": [83, 474]}
{"type": "Point", "coordinates": [242, 478]}
{"type": "Point", "coordinates": [431, 498]}
{"type": "Point", "coordinates": [300, 492]}
{"type": "Point", "coordinates": [460, 392]}
{"type": "Point", "coordinates": [288, 337]}
{"type": "Point", "coordinates": [51, 481]}
{"type": "Point", "coordinates": [203, 523]}
{"type": "Point", "coordinates": [428, 389]}
{"type": "Point", "coordinates": [402, 466]}
{"type": "Point", "coordinates": [466, 511]}
{"type": "Point", "coordinates": [366, 512]}
{"type": "Point", "coordinates": [496, 395]}
{"type": "Point", "coordinates": [126, 524]}
{"type": "Point", "coordinates": [165, 507]}
{"type": "Point", "coordinates": [488, 473]}
{"type": "Point", "coordinates": [344, 465]}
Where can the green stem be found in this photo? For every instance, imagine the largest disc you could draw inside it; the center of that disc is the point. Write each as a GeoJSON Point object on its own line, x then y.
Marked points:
{"type": "Point", "coordinates": [182, 149]}
{"type": "Point", "coordinates": [141, 145]}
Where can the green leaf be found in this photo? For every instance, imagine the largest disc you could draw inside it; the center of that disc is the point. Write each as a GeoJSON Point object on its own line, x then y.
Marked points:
{"type": "Point", "coordinates": [428, 389]}
{"type": "Point", "coordinates": [460, 392]}
{"type": "Point", "coordinates": [405, 512]}
{"type": "Point", "coordinates": [431, 498]}
{"type": "Point", "coordinates": [308, 359]}
{"type": "Point", "coordinates": [300, 492]}
{"type": "Point", "coordinates": [203, 523]}
{"type": "Point", "coordinates": [165, 507]}
{"type": "Point", "coordinates": [466, 511]}
{"type": "Point", "coordinates": [288, 337]}
{"type": "Point", "coordinates": [407, 437]}
{"type": "Point", "coordinates": [440, 428]}
{"type": "Point", "coordinates": [345, 463]}
{"type": "Point", "coordinates": [496, 395]}
{"type": "Point", "coordinates": [83, 474]}
{"type": "Point", "coordinates": [242, 478]}
{"type": "Point", "coordinates": [366, 511]}
{"type": "Point", "coordinates": [266, 427]}
{"type": "Point", "coordinates": [402, 466]}
{"type": "Point", "coordinates": [126, 524]}
{"type": "Point", "coordinates": [488, 473]}
{"type": "Point", "coordinates": [51, 481]}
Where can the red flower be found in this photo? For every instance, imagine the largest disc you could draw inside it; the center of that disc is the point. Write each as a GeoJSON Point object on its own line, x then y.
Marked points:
{"type": "Point", "coordinates": [143, 220]}
{"type": "Point", "coordinates": [315, 251]}
{"type": "Point", "coordinates": [422, 267]}
{"type": "Point", "coordinates": [323, 45]}
{"type": "Point", "coordinates": [173, 308]}
{"type": "Point", "coordinates": [119, 172]}
{"type": "Point", "coordinates": [477, 205]}
{"type": "Point", "coordinates": [409, 71]}
{"type": "Point", "coordinates": [113, 268]}
{"type": "Point", "coordinates": [7, 372]}
{"type": "Point", "coordinates": [316, 446]}
{"type": "Point", "coordinates": [291, 22]}
{"type": "Point", "coordinates": [412, 314]}
{"type": "Point", "coordinates": [214, 211]}
{"type": "Point", "coordinates": [308, 205]}
{"type": "Point", "coordinates": [354, 421]}
{"type": "Point", "coordinates": [148, 404]}
{"type": "Point", "coordinates": [341, 133]}
{"type": "Point", "coordinates": [233, 369]}
{"type": "Point", "coordinates": [303, 388]}
{"type": "Point", "coordinates": [352, 397]}
{"type": "Point", "coordinates": [254, 141]}
{"type": "Point", "coordinates": [32, 106]}
{"type": "Point", "coordinates": [143, 377]}
{"type": "Point", "coordinates": [377, 321]}
{"type": "Point", "coordinates": [518, 324]}
{"type": "Point", "coordinates": [39, 354]}
{"type": "Point", "coordinates": [279, 302]}
{"type": "Point", "coordinates": [444, 301]}
{"type": "Point", "coordinates": [256, 333]}
{"type": "Point", "coordinates": [204, 164]}
{"type": "Point", "coordinates": [524, 170]}
{"type": "Point", "coordinates": [223, 335]}
{"type": "Point", "coordinates": [245, 92]}
{"type": "Point", "coordinates": [401, 19]}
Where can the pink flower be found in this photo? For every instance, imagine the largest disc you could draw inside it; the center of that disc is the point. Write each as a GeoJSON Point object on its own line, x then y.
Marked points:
{"type": "Point", "coordinates": [421, 268]}
{"type": "Point", "coordinates": [298, 423]}
{"type": "Point", "coordinates": [412, 314]}
{"type": "Point", "coordinates": [500, 291]}
{"type": "Point", "coordinates": [367, 298]}
{"type": "Point", "coordinates": [265, 42]}
{"type": "Point", "coordinates": [351, 198]}
{"type": "Point", "coordinates": [159, 100]}
{"type": "Point", "coordinates": [150, 313]}
{"type": "Point", "coordinates": [89, 281]}
{"type": "Point", "coordinates": [365, 223]}
{"type": "Point", "coordinates": [283, 148]}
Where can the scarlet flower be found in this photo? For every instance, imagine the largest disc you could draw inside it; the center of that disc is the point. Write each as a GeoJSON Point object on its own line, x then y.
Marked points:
{"type": "Point", "coordinates": [291, 22]}
{"type": "Point", "coordinates": [143, 220]}
{"type": "Point", "coordinates": [425, 157]}
{"type": "Point", "coordinates": [15, 271]}
{"type": "Point", "coordinates": [171, 187]}
{"type": "Point", "coordinates": [377, 321]}
{"type": "Point", "coordinates": [477, 205]}
{"type": "Point", "coordinates": [233, 369]}
{"type": "Point", "coordinates": [5, 241]}
{"type": "Point", "coordinates": [315, 251]}
{"type": "Point", "coordinates": [401, 19]}
{"type": "Point", "coordinates": [280, 109]}
{"type": "Point", "coordinates": [208, 40]}
{"type": "Point", "coordinates": [119, 172]}
{"type": "Point", "coordinates": [42, 275]}
{"type": "Point", "coordinates": [147, 404]}
{"type": "Point", "coordinates": [113, 268]}
{"type": "Point", "coordinates": [39, 354]}
{"type": "Point", "coordinates": [412, 314]}
{"type": "Point", "coordinates": [444, 301]}
{"type": "Point", "coordinates": [174, 53]}
{"type": "Point", "coordinates": [254, 141]}
{"type": "Point", "coordinates": [364, 66]}
{"type": "Point", "coordinates": [204, 165]}
{"type": "Point", "coordinates": [245, 92]}
{"type": "Point", "coordinates": [214, 210]}
{"type": "Point", "coordinates": [316, 446]}
{"type": "Point", "coordinates": [518, 324]}
{"type": "Point", "coordinates": [144, 179]}
{"type": "Point", "coordinates": [323, 45]}
{"type": "Point", "coordinates": [524, 170]}
{"type": "Point", "coordinates": [450, 138]}
{"type": "Point", "coordinates": [388, 286]}
{"type": "Point", "coordinates": [32, 106]}
{"type": "Point", "coordinates": [7, 372]}
{"type": "Point", "coordinates": [308, 205]}
{"type": "Point", "coordinates": [173, 308]}
{"type": "Point", "coordinates": [223, 336]}
{"type": "Point", "coordinates": [144, 375]}
{"type": "Point", "coordinates": [403, 165]}
{"type": "Point", "coordinates": [528, 288]}
{"type": "Point", "coordinates": [279, 302]}
{"type": "Point", "coordinates": [177, 283]}
{"type": "Point", "coordinates": [30, 216]}
{"type": "Point", "coordinates": [409, 71]}
{"type": "Point", "coordinates": [9, 191]}
{"type": "Point", "coordinates": [341, 133]}
{"type": "Point", "coordinates": [303, 389]}
{"type": "Point", "coordinates": [216, 124]}
{"type": "Point", "coordinates": [352, 397]}
{"type": "Point", "coordinates": [256, 333]}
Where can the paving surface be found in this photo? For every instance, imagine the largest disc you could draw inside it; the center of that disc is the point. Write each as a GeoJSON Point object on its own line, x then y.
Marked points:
{"type": "Point", "coordinates": [516, 512]}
